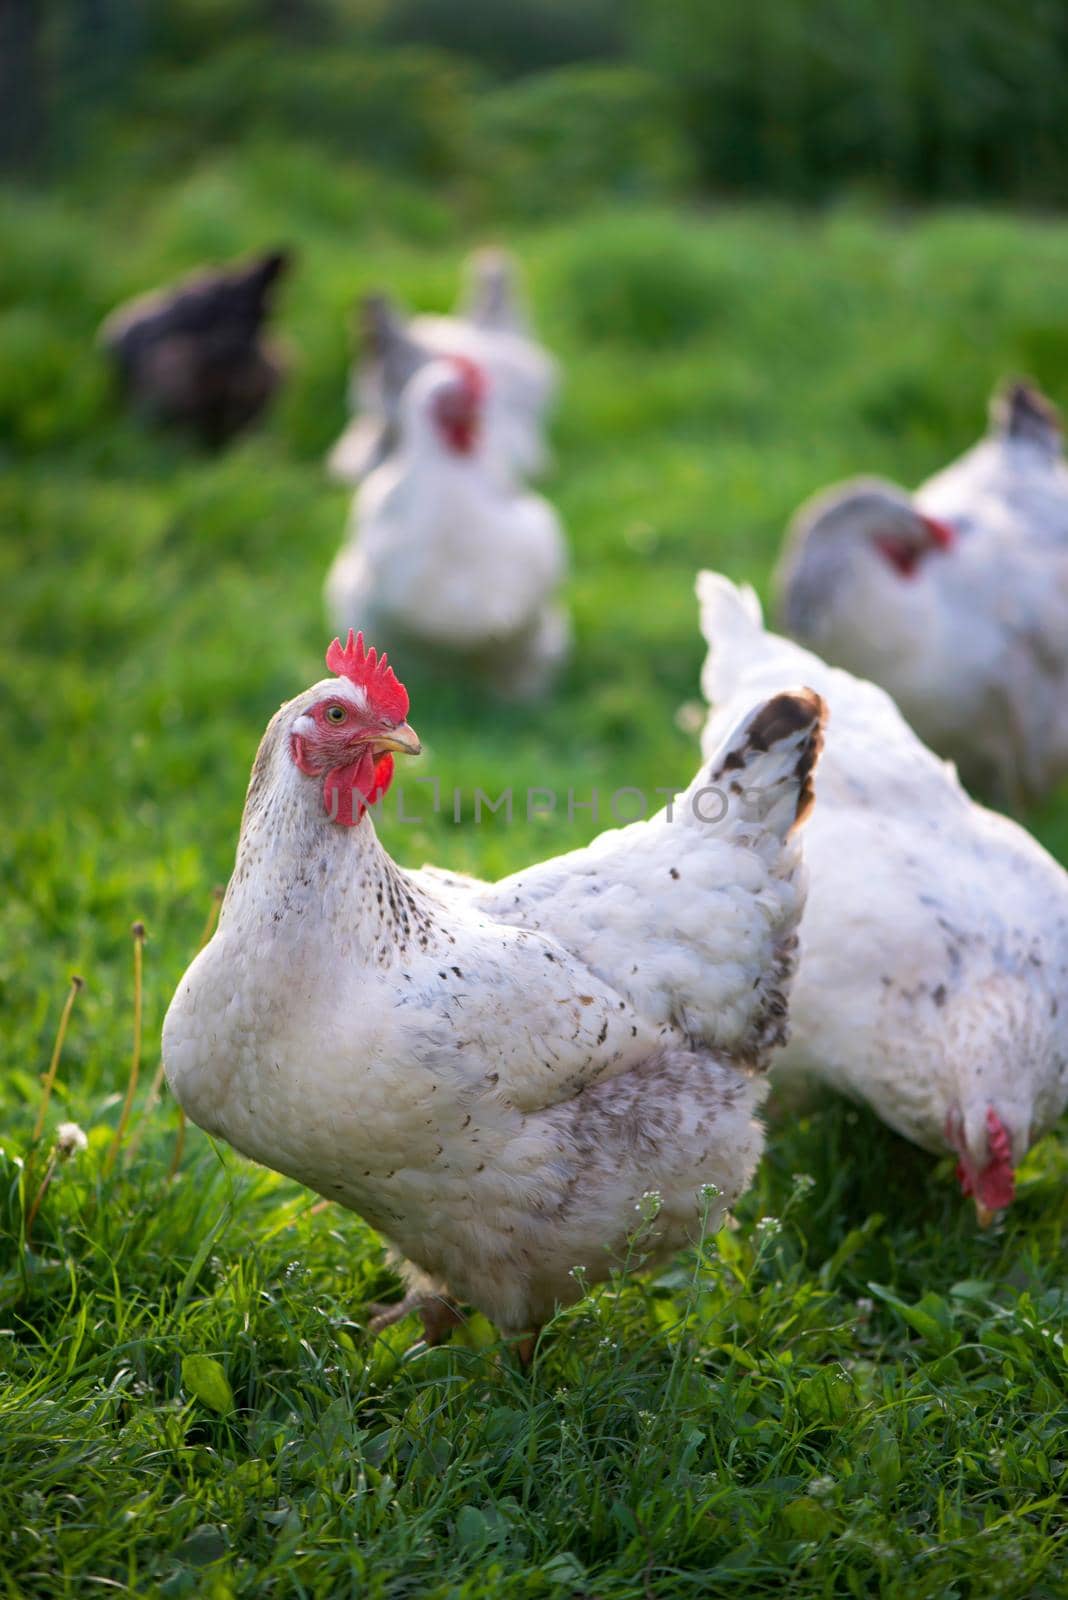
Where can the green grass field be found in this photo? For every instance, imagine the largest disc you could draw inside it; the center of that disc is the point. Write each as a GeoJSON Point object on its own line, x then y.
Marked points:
{"type": "Point", "coordinates": [854, 1392]}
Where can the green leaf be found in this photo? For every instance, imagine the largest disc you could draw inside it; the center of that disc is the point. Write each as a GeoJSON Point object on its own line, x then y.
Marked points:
{"type": "Point", "coordinates": [886, 1460]}
{"type": "Point", "coordinates": [855, 1240]}
{"type": "Point", "coordinates": [625, 1517]}
{"type": "Point", "coordinates": [473, 1528]}
{"type": "Point", "coordinates": [205, 1544]}
{"type": "Point", "coordinates": [931, 1317]}
{"type": "Point", "coordinates": [826, 1396]}
{"type": "Point", "coordinates": [807, 1519]}
{"type": "Point", "coordinates": [207, 1382]}
{"type": "Point", "coordinates": [564, 1568]}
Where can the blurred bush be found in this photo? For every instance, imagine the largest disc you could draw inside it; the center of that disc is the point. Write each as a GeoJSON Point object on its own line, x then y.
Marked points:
{"type": "Point", "coordinates": [638, 282]}
{"type": "Point", "coordinates": [958, 98]}
{"type": "Point", "coordinates": [560, 139]}
{"type": "Point", "coordinates": [405, 110]}
{"type": "Point", "coordinates": [49, 391]}
{"type": "Point", "coordinates": [540, 100]}
{"type": "Point", "coordinates": [518, 37]}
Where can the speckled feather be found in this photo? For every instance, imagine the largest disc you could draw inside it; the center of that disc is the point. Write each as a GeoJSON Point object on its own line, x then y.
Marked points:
{"type": "Point", "coordinates": [973, 645]}
{"type": "Point", "coordinates": [934, 948]}
{"type": "Point", "coordinates": [492, 1101]}
{"type": "Point", "coordinates": [441, 555]}
{"type": "Point", "coordinates": [489, 328]}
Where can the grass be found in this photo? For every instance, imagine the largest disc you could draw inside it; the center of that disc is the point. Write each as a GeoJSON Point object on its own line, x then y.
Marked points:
{"type": "Point", "coordinates": [853, 1392]}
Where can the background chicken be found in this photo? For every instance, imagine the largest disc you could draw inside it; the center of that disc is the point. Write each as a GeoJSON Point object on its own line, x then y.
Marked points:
{"type": "Point", "coordinates": [955, 599]}
{"type": "Point", "coordinates": [194, 354]}
{"type": "Point", "coordinates": [491, 295]}
{"type": "Point", "coordinates": [490, 327]}
{"type": "Point", "coordinates": [494, 1076]}
{"type": "Point", "coordinates": [444, 557]}
{"type": "Point", "coordinates": [934, 947]}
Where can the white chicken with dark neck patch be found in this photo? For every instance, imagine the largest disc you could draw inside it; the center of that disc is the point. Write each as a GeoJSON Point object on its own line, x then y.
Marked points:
{"type": "Point", "coordinates": [495, 1075]}
{"type": "Point", "coordinates": [955, 598]}
{"type": "Point", "coordinates": [933, 969]}
{"type": "Point", "coordinates": [490, 327]}
{"type": "Point", "coordinates": [443, 557]}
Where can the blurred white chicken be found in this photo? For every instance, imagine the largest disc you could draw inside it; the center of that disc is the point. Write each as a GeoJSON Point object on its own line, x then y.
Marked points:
{"type": "Point", "coordinates": [444, 557]}
{"type": "Point", "coordinates": [955, 599]}
{"type": "Point", "coordinates": [934, 947]}
{"type": "Point", "coordinates": [491, 328]}
{"type": "Point", "coordinates": [494, 1076]}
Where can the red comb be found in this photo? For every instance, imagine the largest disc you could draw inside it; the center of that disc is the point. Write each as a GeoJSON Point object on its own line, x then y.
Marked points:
{"type": "Point", "coordinates": [997, 1138]}
{"type": "Point", "coordinates": [372, 672]}
{"type": "Point", "coordinates": [473, 375]}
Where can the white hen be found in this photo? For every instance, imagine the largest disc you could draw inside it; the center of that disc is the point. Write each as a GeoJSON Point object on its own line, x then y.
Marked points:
{"type": "Point", "coordinates": [490, 328]}
{"type": "Point", "coordinates": [444, 557]}
{"type": "Point", "coordinates": [934, 949]}
{"type": "Point", "coordinates": [955, 599]}
{"type": "Point", "coordinates": [496, 1089]}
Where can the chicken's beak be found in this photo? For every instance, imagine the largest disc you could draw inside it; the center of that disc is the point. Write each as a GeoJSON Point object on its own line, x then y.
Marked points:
{"type": "Point", "coordinates": [983, 1214]}
{"type": "Point", "coordinates": [402, 738]}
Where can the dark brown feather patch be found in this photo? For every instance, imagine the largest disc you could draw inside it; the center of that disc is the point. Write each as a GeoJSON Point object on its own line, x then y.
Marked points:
{"type": "Point", "coordinates": [1022, 411]}
{"type": "Point", "coordinates": [783, 716]}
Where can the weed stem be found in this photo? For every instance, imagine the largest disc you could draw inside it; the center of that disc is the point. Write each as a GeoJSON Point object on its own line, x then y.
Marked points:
{"type": "Point", "coordinates": [76, 983]}
{"type": "Point", "coordinates": [138, 931]}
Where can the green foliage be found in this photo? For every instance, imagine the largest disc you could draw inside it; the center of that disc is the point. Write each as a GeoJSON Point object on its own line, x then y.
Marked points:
{"type": "Point", "coordinates": [800, 98]}
{"type": "Point", "coordinates": [852, 1393]}
{"type": "Point", "coordinates": [640, 284]}
{"type": "Point", "coordinates": [803, 96]}
{"type": "Point", "coordinates": [404, 110]}
{"type": "Point", "coordinates": [520, 37]}
{"type": "Point", "coordinates": [563, 139]}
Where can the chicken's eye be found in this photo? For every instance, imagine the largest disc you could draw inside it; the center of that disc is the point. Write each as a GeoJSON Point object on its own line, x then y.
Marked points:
{"type": "Point", "coordinates": [336, 713]}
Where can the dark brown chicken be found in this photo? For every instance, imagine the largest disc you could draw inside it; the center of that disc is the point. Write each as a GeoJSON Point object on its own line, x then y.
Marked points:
{"type": "Point", "coordinates": [194, 355]}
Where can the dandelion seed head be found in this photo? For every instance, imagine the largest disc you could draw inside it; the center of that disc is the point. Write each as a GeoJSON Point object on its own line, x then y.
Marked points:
{"type": "Point", "coordinates": [71, 1140]}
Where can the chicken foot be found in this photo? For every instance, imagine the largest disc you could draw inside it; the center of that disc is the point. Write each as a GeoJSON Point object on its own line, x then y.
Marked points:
{"type": "Point", "coordinates": [439, 1316]}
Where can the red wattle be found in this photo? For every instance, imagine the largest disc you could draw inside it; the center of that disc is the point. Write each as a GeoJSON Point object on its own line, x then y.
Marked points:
{"type": "Point", "coordinates": [994, 1186]}
{"type": "Point", "coordinates": [902, 556]}
{"type": "Point", "coordinates": [349, 790]}
{"type": "Point", "coordinates": [461, 434]}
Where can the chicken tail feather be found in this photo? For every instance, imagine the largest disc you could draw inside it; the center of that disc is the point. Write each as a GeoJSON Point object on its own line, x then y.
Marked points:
{"type": "Point", "coordinates": [769, 759]}
{"type": "Point", "coordinates": [1020, 410]}
{"type": "Point", "coordinates": [733, 627]}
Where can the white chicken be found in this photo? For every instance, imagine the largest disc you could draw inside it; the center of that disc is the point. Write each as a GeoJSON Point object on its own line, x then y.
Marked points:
{"type": "Point", "coordinates": [492, 297]}
{"type": "Point", "coordinates": [955, 599]}
{"type": "Point", "coordinates": [445, 558]}
{"type": "Point", "coordinates": [934, 948]}
{"type": "Point", "coordinates": [491, 329]}
{"type": "Point", "coordinates": [494, 1076]}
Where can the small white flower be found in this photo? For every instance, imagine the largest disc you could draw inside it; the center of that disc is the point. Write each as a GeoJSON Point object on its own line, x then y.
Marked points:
{"type": "Point", "coordinates": [820, 1487]}
{"type": "Point", "coordinates": [70, 1140]}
